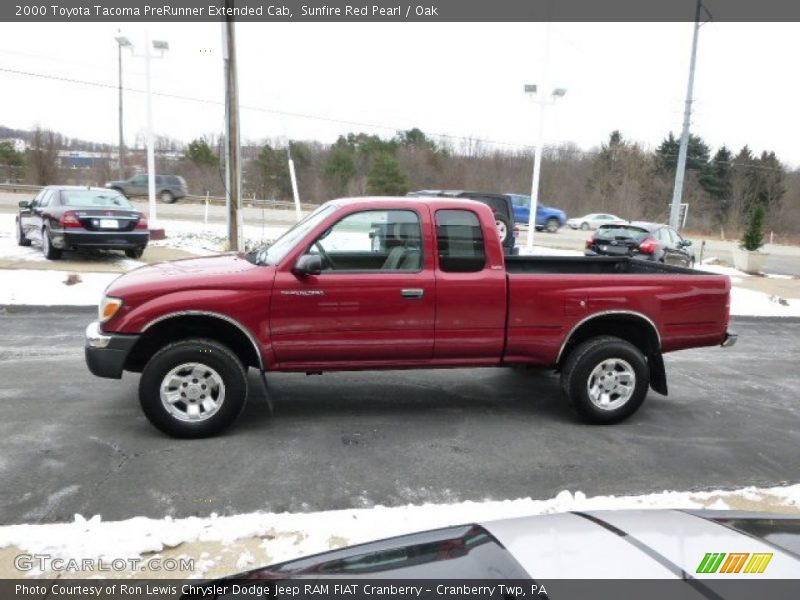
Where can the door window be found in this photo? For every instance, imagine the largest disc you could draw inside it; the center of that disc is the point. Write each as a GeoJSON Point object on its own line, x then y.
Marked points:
{"type": "Point", "coordinates": [460, 238]}
{"type": "Point", "coordinates": [139, 180]}
{"type": "Point", "coordinates": [372, 240]}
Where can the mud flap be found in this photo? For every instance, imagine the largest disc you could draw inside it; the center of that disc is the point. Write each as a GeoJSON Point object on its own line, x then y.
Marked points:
{"type": "Point", "coordinates": [658, 374]}
{"type": "Point", "coordinates": [266, 392]}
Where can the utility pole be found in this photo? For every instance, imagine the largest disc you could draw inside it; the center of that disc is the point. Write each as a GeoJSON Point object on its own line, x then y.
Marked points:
{"type": "Point", "coordinates": [233, 172]}
{"type": "Point", "coordinates": [151, 156]}
{"type": "Point", "coordinates": [680, 171]}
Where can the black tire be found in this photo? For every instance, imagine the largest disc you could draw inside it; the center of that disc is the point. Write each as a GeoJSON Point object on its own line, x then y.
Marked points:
{"type": "Point", "coordinates": [49, 252]}
{"type": "Point", "coordinates": [552, 225]}
{"type": "Point", "coordinates": [166, 197]}
{"type": "Point", "coordinates": [577, 374]}
{"type": "Point", "coordinates": [206, 353]}
{"type": "Point", "coordinates": [500, 220]}
{"type": "Point", "coordinates": [134, 252]}
{"type": "Point", "coordinates": [21, 239]}
{"type": "Point", "coordinates": [584, 227]}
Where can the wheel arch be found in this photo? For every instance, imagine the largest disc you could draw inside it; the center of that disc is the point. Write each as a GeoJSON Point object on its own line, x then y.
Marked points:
{"type": "Point", "coordinates": [631, 326]}
{"type": "Point", "coordinates": [181, 325]}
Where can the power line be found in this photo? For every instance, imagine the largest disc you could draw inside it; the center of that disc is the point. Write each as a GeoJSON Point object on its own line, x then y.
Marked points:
{"type": "Point", "coordinates": [274, 111]}
{"type": "Point", "coordinates": [585, 153]}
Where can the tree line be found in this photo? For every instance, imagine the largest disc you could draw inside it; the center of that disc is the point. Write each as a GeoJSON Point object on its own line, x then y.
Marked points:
{"type": "Point", "coordinates": [620, 176]}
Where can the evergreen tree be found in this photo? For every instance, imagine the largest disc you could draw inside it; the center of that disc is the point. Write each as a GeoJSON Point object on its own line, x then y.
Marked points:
{"type": "Point", "coordinates": [753, 237]}
{"type": "Point", "coordinates": [385, 177]}
{"type": "Point", "coordinates": [200, 153]}
{"type": "Point", "coordinates": [717, 180]}
{"type": "Point", "coordinates": [340, 167]}
{"type": "Point", "coordinates": [697, 153]}
{"type": "Point", "coordinates": [9, 156]}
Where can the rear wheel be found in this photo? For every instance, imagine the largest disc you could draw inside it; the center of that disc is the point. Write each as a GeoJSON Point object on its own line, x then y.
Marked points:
{"type": "Point", "coordinates": [605, 379]}
{"type": "Point", "coordinates": [49, 252]}
{"type": "Point", "coordinates": [552, 225]}
{"type": "Point", "coordinates": [134, 252]}
{"type": "Point", "coordinates": [503, 227]}
{"type": "Point", "coordinates": [166, 197]}
{"type": "Point", "coordinates": [192, 389]}
{"type": "Point", "coordinates": [21, 239]}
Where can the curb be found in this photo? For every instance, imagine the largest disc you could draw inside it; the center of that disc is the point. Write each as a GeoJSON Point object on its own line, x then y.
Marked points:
{"type": "Point", "coordinates": [27, 309]}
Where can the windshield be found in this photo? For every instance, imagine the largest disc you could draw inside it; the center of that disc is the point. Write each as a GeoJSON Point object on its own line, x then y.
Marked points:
{"type": "Point", "coordinates": [94, 199]}
{"type": "Point", "coordinates": [275, 252]}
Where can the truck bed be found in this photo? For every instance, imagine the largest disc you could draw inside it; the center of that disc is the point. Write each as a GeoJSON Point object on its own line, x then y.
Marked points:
{"type": "Point", "coordinates": [591, 265]}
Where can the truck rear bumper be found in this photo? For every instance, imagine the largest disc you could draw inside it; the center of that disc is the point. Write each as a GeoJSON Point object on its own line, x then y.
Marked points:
{"type": "Point", "coordinates": [106, 353]}
{"type": "Point", "coordinates": [730, 339]}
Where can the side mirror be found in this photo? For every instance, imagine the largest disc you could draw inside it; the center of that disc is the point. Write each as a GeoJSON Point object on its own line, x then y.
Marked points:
{"type": "Point", "coordinates": [686, 243]}
{"type": "Point", "coordinates": [24, 204]}
{"type": "Point", "coordinates": [308, 264]}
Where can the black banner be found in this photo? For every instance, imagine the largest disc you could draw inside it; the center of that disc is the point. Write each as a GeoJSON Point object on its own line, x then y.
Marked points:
{"type": "Point", "coordinates": [401, 589]}
{"type": "Point", "coordinates": [419, 11]}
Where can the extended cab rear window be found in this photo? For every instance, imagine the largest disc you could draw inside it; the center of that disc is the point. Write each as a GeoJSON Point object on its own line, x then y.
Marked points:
{"type": "Point", "coordinates": [460, 238]}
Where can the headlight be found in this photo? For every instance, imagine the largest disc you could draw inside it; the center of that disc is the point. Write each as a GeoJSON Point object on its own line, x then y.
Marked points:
{"type": "Point", "coordinates": [108, 308]}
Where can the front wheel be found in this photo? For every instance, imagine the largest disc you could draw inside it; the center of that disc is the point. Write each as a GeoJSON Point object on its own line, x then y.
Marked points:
{"type": "Point", "coordinates": [192, 389]}
{"type": "Point", "coordinates": [584, 227]}
{"type": "Point", "coordinates": [605, 379]}
{"type": "Point", "coordinates": [21, 239]}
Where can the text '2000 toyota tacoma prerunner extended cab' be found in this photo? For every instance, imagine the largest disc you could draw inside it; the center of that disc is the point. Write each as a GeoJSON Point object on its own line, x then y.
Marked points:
{"type": "Point", "coordinates": [390, 283]}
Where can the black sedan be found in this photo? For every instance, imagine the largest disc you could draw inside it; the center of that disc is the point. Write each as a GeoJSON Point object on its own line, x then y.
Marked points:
{"type": "Point", "coordinates": [646, 241]}
{"type": "Point", "coordinates": [70, 217]}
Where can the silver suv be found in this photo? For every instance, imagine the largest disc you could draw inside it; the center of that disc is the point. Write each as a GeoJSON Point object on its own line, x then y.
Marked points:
{"type": "Point", "coordinates": [169, 188]}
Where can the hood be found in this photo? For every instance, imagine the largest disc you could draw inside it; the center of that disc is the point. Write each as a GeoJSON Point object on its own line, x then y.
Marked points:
{"type": "Point", "coordinates": [225, 271]}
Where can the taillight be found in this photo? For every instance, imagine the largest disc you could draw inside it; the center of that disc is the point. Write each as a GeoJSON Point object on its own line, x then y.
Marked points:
{"type": "Point", "coordinates": [142, 223]}
{"type": "Point", "coordinates": [648, 246]}
{"type": "Point", "coordinates": [589, 243]}
{"type": "Point", "coordinates": [69, 219]}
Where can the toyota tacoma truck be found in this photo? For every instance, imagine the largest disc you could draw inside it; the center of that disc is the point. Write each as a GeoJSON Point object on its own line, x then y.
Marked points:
{"type": "Point", "coordinates": [397, 283]}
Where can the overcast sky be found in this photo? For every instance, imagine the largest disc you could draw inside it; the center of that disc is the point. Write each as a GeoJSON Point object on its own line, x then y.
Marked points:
{"type": "Point", "coordinates": [463, 79]}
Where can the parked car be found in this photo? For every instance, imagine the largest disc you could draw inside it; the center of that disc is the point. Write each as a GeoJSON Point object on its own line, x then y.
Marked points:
{"type": "Point", "coordinates": [593, 221]}
{"type": "Point", "coordinates": [71, 217]}
{"type": "Point", "coordinates": [326, 297]}
{"type": "Point", "coordinates": [169, 188]}
{"type": "Point", "coordinates": [547, 218]}
{"type": "Point", "coordinates": [648, 241]}
{"type": "Point", "coordinates": [689, 550]}
{"type": "Point", "coordinates": [500, 204]}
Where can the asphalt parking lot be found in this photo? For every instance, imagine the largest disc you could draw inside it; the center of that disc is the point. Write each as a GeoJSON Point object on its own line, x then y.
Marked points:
{"type": "Point", "coordinates": [71, 443]}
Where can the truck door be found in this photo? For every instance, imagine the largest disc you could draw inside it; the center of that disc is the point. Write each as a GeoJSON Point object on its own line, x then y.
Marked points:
{"type": "Point", "coordinates": [373, 302]}
{"type": "Point", "coordinates": [470, 290]}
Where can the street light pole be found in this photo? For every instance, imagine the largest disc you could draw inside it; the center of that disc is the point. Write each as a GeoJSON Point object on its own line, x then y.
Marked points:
{"type": "Point", "coordinates": [537, 157]}
{"type": "Point", "coordinates": [122, 41]}
{"type": "Point", "coordinates": [151, 159]}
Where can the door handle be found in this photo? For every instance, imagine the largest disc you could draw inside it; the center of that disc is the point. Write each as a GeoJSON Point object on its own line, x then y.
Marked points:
{"type": "Point", "coordinates": [412, 293]}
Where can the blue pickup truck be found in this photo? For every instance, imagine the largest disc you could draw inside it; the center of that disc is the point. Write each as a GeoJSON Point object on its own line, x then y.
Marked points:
{"type": "Point", "coordinates": [547, 218]}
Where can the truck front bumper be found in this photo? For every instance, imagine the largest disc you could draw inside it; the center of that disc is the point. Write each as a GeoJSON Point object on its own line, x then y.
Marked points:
{"type": "Point", "coordinates": [106, 353]}
{"type": "Point", "coordinates": [730, 339]}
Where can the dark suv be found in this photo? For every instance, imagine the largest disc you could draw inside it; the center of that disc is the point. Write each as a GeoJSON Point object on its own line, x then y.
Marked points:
{"type": "Point", "coordinates": [501, 205]}
{"type": "Point", "coordinates": [169, 188]}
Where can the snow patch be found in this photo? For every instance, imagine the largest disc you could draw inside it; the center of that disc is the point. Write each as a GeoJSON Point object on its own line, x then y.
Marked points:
{"type": "Point", "coordinates": [290, 535]}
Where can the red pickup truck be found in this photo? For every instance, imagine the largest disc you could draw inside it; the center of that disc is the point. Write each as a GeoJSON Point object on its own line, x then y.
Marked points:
{"type": "Point", "coordinates": [397, 283]}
